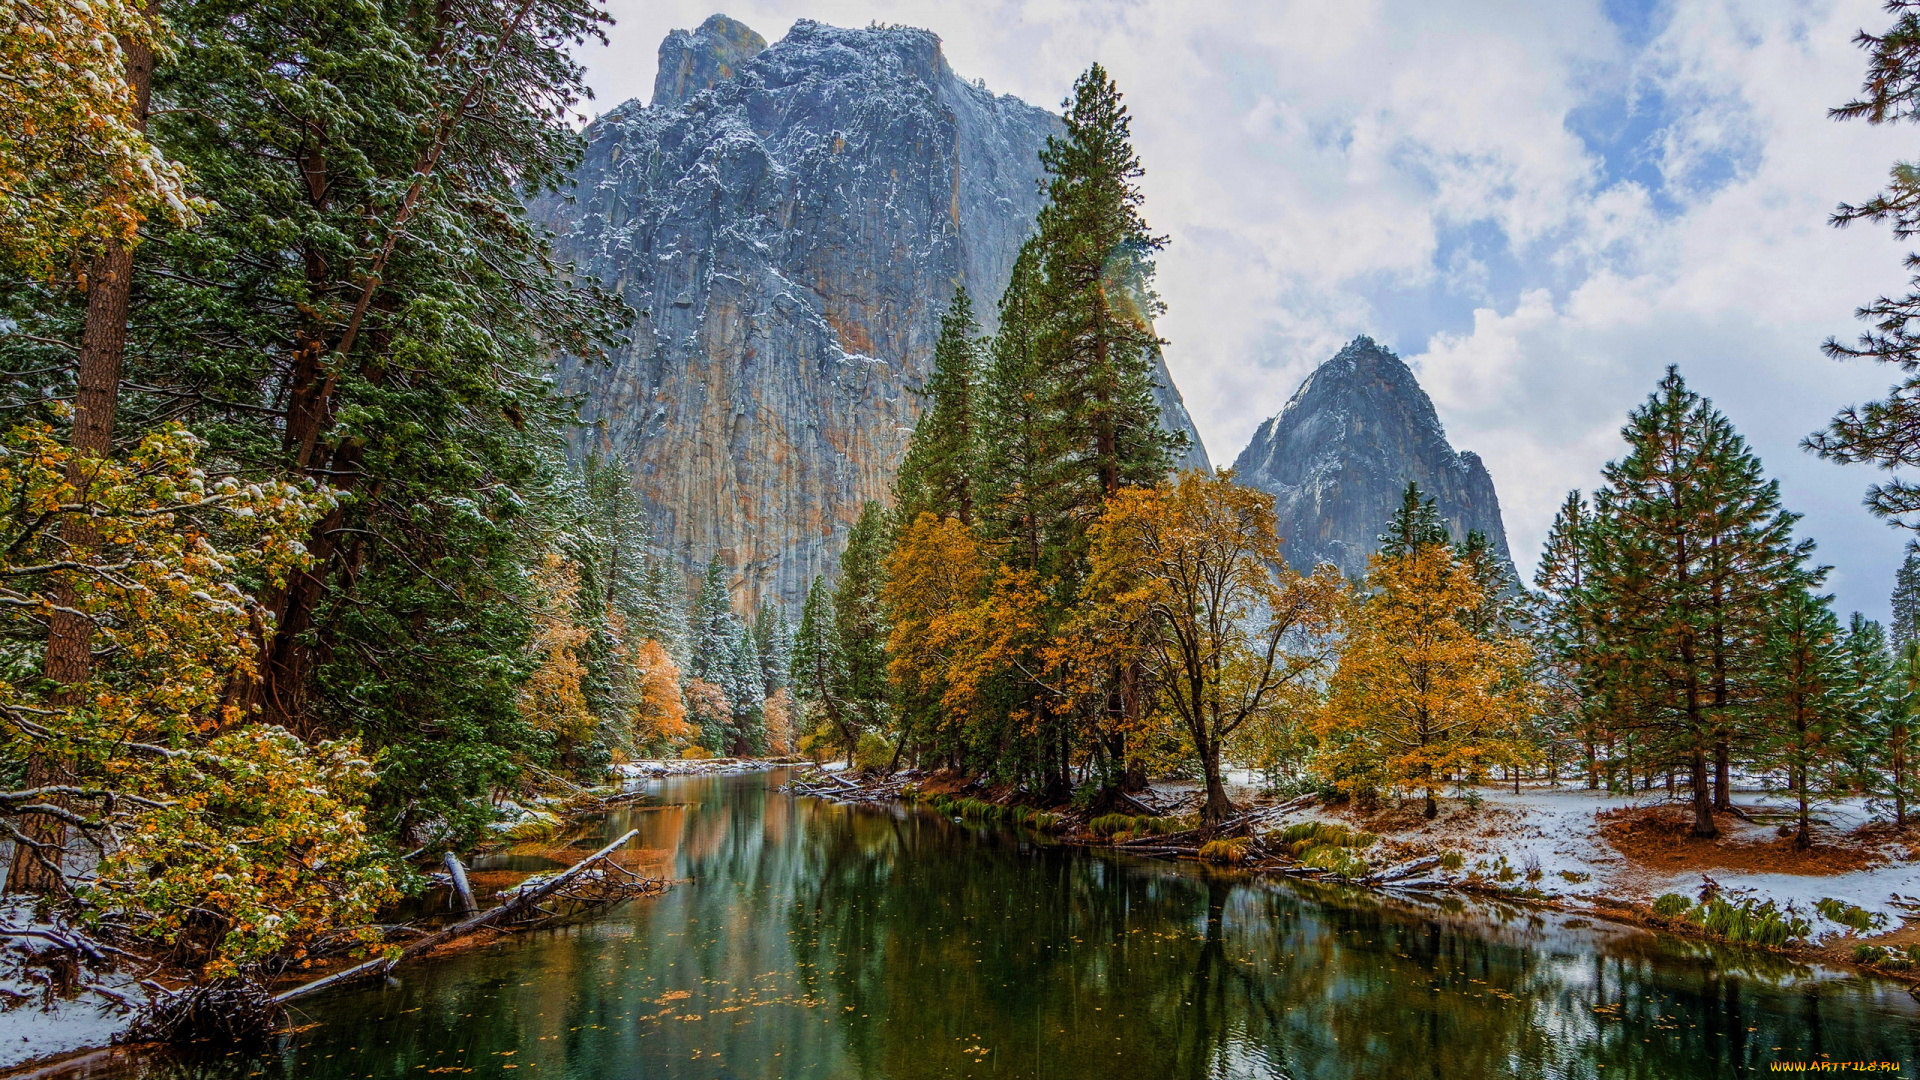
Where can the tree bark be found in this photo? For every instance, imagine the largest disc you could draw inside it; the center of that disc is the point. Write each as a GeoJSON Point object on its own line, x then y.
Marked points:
{"type": "Point", "coordinates": [1218, 807]}
{"type": "Point", "coordinates": [1900, 776]}
{"type": "Point", "coordinates": [1722, 777]}
{"type": "Point", "coordinates": [103, 346]}
{"type": "Point", "coordinates": [1702, 795]}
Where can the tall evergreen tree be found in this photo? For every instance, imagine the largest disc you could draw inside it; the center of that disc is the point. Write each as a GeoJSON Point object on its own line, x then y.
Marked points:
{"type": "Point", "coordinates": [746, 691]}
{"type": "Point", "coordinates": [819, 668]}
{"type": "Point", "coordinates": [712, 628]}
{"type": "Point", "coordinates": [1906, 597]}
{"type": "Point", "coordinates": [1805, 700]}
{"type": "Point", "coordinates": [1097, 301]}
{"type": "Point", "coordinates": [1022, 438]}
{"type": "Point", "coordinates": [1566, 628]}
{"type": "Point", "coordinates": [773, 637]}
{"type": "Point", "coordinates": [859, 620]}
{"type": "Point", "coordinates": [1697, 549]}
{"type": "Point", "coordinates": [939, 474]}
{"type": "Point", "coordinates": [1886, 432]}
{"type": "Point", "coordinates": [1871, 701]}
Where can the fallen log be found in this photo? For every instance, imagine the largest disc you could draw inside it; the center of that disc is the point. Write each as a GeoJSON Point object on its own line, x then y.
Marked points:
{"type": "Point", "coordinates": [525, 900]}
{"type": "Point", "coordinates": [460, 887]}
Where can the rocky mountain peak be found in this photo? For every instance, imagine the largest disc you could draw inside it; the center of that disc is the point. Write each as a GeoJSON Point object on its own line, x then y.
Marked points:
{"type": "Point", "coordinates": [1338, 456]}
{"type": "Point", "coordinates": [701, 59]}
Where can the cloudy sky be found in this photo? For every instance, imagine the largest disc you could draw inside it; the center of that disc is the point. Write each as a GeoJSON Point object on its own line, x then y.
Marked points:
{"type": "Point", "coordinates": [1539, 206]}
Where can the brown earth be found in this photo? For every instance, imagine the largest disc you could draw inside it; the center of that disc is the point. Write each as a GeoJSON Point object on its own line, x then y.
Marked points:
{"type": "Point", "coordinates": [1661, 838]}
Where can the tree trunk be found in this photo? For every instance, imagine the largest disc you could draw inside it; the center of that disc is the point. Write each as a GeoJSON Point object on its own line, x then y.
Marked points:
{"type": "Point", "coordinates": [1803, 838]}
{"type": "Point", "coordinates": [1702, 795]}
{"type": "Point", "coordinates": [1900, 775]}
{"type": "Point", "coordinates": [103, 345]}
{"type": "Point", "coordinates": [1722, 777]}
{"type": "Point", "coordinates": [1218, 807]}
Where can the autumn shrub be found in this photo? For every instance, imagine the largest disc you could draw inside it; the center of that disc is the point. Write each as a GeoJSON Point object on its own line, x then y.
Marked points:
{"type": "Point", "coordinates": [695, 752]}
{"type": "Point", "coordinates": [873, 751]}
{"type": "Point", "coordinates": [259, 846]}
{"type": "Point", "coordinates": [1231, 851]}
{"type": "Point", "coordinates": [1336, 860]}
{"type": "Point", "coordinates": [1452, 861]}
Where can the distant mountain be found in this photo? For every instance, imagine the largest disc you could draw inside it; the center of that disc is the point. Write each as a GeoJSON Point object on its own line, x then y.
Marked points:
{"type": "Point", "coordinates": [1338, 457]}
{"type": "Point", "coordinates": [790, 220]}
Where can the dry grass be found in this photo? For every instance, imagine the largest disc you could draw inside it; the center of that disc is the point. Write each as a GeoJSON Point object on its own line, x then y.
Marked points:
{"type": "Point", "coordinates": [1661, 838]}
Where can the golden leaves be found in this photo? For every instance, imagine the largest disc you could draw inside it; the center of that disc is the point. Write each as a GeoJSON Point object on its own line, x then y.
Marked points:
{"type": "Point", "coordinates": [76, 169]}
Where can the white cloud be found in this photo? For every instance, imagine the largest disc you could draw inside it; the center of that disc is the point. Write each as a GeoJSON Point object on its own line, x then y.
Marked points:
{"type": "Point", "coordinates": [1317, 165]}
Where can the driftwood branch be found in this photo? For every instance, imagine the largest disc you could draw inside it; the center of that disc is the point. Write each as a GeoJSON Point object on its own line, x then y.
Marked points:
{"type": "Point", "coordinates": [527, 899]}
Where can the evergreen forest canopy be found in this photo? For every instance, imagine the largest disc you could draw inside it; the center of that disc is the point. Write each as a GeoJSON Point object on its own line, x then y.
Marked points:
{"type": "Point", "coordinates": [298, 584]}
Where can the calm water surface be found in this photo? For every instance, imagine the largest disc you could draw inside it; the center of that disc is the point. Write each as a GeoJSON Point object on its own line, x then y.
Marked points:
{"type": "Point", "coordinates": [821, 941]}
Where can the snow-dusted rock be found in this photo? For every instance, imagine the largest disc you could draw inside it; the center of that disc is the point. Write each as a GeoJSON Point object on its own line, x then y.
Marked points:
{"type": "Point", "coordinates": [790, 222]}
{"type": "Point", "coordinates": [1338, 457]}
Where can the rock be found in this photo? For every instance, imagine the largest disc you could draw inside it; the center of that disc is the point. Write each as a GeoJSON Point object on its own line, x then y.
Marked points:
{"type": "Point", "coordinates": [690, 63]}
{"type": "Point", "coordinates": [1339, 456]}
{"type": "Point", "coordinates": [790, 222]}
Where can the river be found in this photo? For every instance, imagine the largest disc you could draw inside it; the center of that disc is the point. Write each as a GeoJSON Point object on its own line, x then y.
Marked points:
{"type": "Point", "coordinates": [819, 941]}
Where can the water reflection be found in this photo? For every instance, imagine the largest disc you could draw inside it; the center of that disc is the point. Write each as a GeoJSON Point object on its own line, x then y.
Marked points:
{"type": "Point", "coordinates": [821, 941]}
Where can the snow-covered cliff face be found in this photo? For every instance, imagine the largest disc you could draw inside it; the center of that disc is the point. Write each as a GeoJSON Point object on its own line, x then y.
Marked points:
{"type": "Point", "coordinates": [1338, 457]}
{"type": "Point", "coordinates": [790, 221]}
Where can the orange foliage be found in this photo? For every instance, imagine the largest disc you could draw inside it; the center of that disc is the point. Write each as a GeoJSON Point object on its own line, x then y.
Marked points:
{"type": "Point", "coordinates": [778, 711]}
{"type": "Point", "coordinates": [659, 713]}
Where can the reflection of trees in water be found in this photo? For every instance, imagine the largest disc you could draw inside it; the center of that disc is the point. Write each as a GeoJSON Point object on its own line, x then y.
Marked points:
{"type": "Point", "coordinates": [1065, 965]}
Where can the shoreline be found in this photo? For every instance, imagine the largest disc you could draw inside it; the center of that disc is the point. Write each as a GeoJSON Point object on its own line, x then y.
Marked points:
{"type": "Point", "coordinates": [1179, 847]}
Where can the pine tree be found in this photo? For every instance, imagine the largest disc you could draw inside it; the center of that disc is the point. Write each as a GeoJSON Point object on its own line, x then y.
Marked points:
{"type": "Point", "coordinates": [819, 669]}
{"type": "Point", "coordinates": [1566, 630]}
{"type": "Point", "coordinates": [773, 637]}
{"type": "Point", "coordinates": [859, 621]}
{"type": "Point", "coordinates": [1415, 525]}
{"type": "Point", "coordinates": [939, 474]}
{"type": "Point", "coordinates": [1805, 705]}
{"type": "Point", "coordinates": [1697, 549]}
{"type": "Point", "coordinates": [1906, 597]}
{"type": "Point", "coordinates": [712, 628]}
{"type": "Point", "coordinates": [746, 691]}
{"type": "Point", "coordinates": [1021, 438]}
{"type": "Point", "coordinates": [1886, 432]}
{"type": "Point", "coordinates": [1900, 729]}
{"type": "Point", "coordinates": [1097, 302]}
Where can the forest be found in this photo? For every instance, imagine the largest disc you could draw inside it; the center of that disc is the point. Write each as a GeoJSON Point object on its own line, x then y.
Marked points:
{"type": "Point", "coordinates": [300, 581]}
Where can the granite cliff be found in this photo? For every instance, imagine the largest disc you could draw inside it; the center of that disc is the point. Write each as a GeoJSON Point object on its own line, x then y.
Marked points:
{"type": "Point", "coordinates": [1338, 457]}
{"type": "Point", "coordinates": [789, 221]}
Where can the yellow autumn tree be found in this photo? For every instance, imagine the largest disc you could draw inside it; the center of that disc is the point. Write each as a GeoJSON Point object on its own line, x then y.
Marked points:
{"type": "Point", "coordinates": [218, 840]}
{"type": "Point", "coordinates": [553, 700]}
{"type": "Point", "coordinates": [1421, 694]}
{"type": "Point", "coordinates": [76, 169]}
{"type": "Point", "coordinates": [778, 710]}
{"type": "Point", "coordinates": [932, 594]}
{"type": "Point", "coordinates": [1189, 577]}
{"type": "Point", "coordinates": [659, 712]}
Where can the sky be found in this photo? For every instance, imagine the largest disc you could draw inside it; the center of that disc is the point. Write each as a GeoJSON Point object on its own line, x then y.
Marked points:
{"type": "Point", "coordinates": [1538, 206]}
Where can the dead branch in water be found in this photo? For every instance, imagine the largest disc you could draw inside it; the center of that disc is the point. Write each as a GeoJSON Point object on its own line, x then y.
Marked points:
{"type": "Point", "coordinates": [524, 907]}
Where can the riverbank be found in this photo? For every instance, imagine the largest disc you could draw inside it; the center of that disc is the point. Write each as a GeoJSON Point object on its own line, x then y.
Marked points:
{"type": "Point", "coordinates": [1856, 890]}
{"type": "Point", "coordinates": [45, 1020]}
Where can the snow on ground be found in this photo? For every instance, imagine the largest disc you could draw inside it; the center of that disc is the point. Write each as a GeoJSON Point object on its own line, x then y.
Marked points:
{"type": "Point", "coordinates": [33, 1025]}
{"type": "Point", "coordinates": [1557, 831]}
{"type": "Point", "coordinates": [651, 769]}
